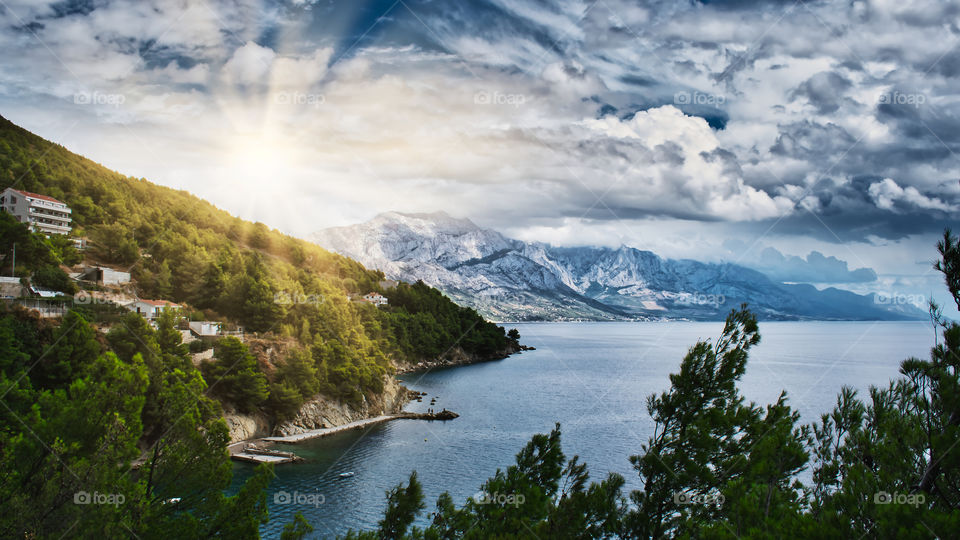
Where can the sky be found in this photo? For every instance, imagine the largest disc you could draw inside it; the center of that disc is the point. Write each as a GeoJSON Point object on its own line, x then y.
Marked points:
{"type": "Point", "coordinates": [816, 141]}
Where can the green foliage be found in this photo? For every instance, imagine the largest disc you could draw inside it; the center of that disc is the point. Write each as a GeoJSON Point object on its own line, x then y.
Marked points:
{"type": "Point", "coordinates": [428, 325]}
{"type": "Point", "coordinates": [709, 445]}
{"type": "Point", "coordinates": [32, 251]}
{"type": "Point", "coordinates": [403, 505]}
{"type": "Point", "coordinates": [233, 375]}
{"type": "Point", "coordinates": [74, 347]}
{"type": "Point", "coordinates": [52, 277]}
{"type": "Point", "coordinates": [37, 255]}
{"type": "Point", "coordinates": [63, 250]}
{"type": "Point", "coordinates": [296, 530]}
{"type": "Point", "coordinates": [71, 428]}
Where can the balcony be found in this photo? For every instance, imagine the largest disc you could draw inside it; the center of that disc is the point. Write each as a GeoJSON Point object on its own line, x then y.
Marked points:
{"type": "Point", "coordinates": [60, 207]}
{"type": "Point", "coordinates": [49, 213]}
{"type": "Point", "coordinates": [50, 227]}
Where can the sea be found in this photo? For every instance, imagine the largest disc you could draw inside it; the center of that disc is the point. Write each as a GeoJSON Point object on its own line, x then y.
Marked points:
{"type": "Point", "coordinates": [591, 378]}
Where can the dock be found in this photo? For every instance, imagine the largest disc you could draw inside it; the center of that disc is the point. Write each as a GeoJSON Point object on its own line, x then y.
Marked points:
{"type": "Point", "coordinates": [256, 454]}
{"type": "Point", "coordinates": [324, 432]}
{"type": "Point", "coordinates": [258, 458]}
{"type": "Point", "coordinates": [251, 452]}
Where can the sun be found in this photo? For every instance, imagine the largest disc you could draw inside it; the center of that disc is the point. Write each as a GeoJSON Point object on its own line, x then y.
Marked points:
{"type": "Point", "coordinates": [260, 158]}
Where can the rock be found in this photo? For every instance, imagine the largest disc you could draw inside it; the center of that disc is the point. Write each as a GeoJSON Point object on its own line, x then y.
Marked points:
{"type": "Point", "coordinates": [243, 427]}
{"type": "Point", "coordinates": [322, 412]}
{"type": "Point", "coordinates": [446, 415]}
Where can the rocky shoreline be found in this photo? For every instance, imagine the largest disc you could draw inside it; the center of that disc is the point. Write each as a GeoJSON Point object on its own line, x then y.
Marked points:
{"type": "Point", "coordinates": [322, 416]}
{"type": "Point", "coordinates": [457, 357]}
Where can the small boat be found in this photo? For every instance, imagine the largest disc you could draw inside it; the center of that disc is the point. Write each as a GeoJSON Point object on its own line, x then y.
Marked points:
{"type": "Point", "coordinates": [347, 474]}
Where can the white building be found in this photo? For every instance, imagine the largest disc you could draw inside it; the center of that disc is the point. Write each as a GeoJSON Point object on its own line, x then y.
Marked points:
{"type": "Point", "coordinates": [101, 275]}
{"type": "Point", "coordinates": [43, 214]}
{"type": "Point", "coordinates": [205, 328]}
{"type": "Point", "coordinates": [151, 309]}
{"type": "Point", "coordinates": [375, 299]}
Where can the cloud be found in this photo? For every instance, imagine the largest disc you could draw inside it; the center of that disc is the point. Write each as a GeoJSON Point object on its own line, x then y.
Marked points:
{"type": "Point", "coordinates": [815, 268]}
{"type": "Point", "coordinates": [819, 123]}
{"type": "Point", "coordinates": [888, 195]}
{"type": "Point", "coordinates": [249, 64]}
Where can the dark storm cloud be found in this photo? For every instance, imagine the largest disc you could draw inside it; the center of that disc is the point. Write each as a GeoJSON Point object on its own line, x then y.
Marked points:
{"type": "Point", "coordinates": [811, 141]}
{"type": "Point", "coordinates": [825, 91]}
{"type": "Point", "coordinates": [847, 110]}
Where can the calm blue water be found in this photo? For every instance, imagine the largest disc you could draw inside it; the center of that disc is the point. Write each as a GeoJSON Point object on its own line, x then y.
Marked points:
{"type": "Point", "coordinates": [594, 379]}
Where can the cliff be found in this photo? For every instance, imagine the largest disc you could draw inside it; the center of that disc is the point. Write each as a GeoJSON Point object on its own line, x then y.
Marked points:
{"type": "Point", "coordinates": [319, 412]}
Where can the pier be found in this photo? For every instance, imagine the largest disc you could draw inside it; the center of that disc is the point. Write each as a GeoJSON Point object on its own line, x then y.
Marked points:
{"type": "Point", "coordinates": [249, 451]}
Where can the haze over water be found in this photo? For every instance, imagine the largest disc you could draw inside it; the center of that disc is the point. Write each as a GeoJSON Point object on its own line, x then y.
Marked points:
{"type": "Point", "coordinates": [593, 378]}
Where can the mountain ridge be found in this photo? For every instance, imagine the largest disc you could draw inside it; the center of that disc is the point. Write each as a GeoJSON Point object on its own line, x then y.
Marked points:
{"type": "Point", "coordinates": [509, 279]}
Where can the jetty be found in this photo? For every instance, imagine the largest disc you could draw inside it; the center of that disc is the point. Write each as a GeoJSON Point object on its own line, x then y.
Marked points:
{"type": "Point", "coordinates": [256, 454]}
{"type": "Point", "coordinates": [253, 453]}
{"type": "Point", "coordinates": [324, 432]}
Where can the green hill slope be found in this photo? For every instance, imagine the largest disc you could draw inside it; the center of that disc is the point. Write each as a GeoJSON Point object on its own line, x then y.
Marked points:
{"type": "Point", "coordinates": [181, 248]}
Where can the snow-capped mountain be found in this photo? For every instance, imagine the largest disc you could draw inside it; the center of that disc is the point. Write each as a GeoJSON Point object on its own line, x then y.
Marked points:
{"type": "Point", "coordinates": [508, 279]}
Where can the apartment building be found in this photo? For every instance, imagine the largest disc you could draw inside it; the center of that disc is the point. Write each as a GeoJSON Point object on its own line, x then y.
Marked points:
{"type": "Point", "coordinates": [43, 214]}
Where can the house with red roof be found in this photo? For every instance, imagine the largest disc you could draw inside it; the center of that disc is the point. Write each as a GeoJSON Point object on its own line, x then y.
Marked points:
{"type": "Point", "coordinates": [42, 213]}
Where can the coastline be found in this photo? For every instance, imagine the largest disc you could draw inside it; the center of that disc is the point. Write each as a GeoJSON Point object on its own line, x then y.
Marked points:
{"type": "Point", "coordinates": [261, 450]}
{"type": "Point", "coordinates": [457, 357]}
{"type": "Point", "coordinates": [238, 449]}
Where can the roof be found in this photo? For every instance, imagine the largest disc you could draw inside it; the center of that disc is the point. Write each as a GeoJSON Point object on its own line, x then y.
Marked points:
{"type": "Point", "coordinates": [37, 196]}
{"type": "Point", "coordinates": [7, 279]}
{"type": "Point", "coordinates": [47, 293]}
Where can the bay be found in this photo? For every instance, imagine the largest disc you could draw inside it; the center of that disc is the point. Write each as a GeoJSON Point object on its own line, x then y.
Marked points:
{"type": "Point", "coordinates": [592, 378]}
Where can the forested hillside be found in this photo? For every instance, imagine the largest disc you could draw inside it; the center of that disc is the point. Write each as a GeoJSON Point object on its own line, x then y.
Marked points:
{"type": "Point", "coordinates": [181, 248]}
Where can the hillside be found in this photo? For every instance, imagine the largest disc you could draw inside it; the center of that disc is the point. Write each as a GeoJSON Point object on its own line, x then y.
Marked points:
{"type": "Point", "coordinates": [183, 249]}
{"type": "Point", "coordinates": [512, 280]}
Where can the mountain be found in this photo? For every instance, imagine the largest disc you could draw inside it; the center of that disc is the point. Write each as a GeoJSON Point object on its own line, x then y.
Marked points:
{"type": "Point", "coordinates": [509, 279]}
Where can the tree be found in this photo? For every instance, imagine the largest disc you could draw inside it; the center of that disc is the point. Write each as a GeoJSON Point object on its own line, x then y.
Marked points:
{"type": "Point", "coordinates": [234, 375]}
{"type": "Point", "coordinates": [52, 277]}
{"type": "Point", "coordinates": [403, 505]}
{"type": "Point", "coordinates": [73, 350]}
{"type": "Point", "coordinates": [296, 530]}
